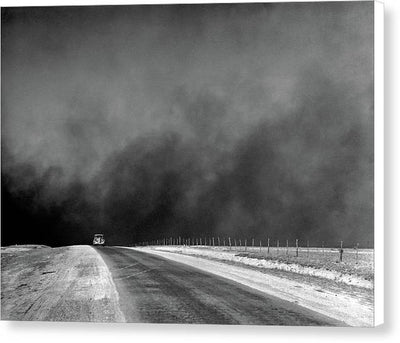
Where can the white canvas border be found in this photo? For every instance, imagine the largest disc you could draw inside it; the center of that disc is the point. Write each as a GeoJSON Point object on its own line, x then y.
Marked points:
{"type": "Point", "coordinates": [379, 162]}
{"type": "Point", "coordinates": [75, 330]}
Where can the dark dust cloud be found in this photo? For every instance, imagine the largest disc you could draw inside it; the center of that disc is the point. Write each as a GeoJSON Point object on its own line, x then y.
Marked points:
{"type": "Point", "coordinates": [144, 122]}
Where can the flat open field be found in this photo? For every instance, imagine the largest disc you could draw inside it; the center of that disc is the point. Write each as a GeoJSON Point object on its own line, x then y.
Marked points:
{"type": "Point", "coordinates": [357, 262]}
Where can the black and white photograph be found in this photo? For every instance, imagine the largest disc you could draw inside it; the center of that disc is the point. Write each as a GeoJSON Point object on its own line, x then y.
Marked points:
{"type": "Point", "coordinates": [189, 164]}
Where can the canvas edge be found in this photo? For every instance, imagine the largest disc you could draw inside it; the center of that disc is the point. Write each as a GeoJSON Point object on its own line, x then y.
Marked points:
{"type": "Point", "coordinates": [379, 163]}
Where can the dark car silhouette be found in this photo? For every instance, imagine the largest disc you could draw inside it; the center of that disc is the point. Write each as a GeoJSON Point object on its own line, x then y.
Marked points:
{"type": "Point", "coordinates": [99, 239]}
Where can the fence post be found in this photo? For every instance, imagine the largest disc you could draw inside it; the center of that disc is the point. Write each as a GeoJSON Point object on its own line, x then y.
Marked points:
{"type": "Point", "coordinates": [253, 243]}
{"type": "Point", "coordinates": [268, 246]}
{"type": "Point", "coordinates": [287, 247]}
{"type": "Point", "coordinates": [297, 248]}
{"type": "Point", "coordinates": [341, 251]}
{"type": "Point", "coordinates": [213, 243]}
{"type": "Point", "coordinates": [219, 243]}
{"type": "Point", "coordinates": [357, 253]}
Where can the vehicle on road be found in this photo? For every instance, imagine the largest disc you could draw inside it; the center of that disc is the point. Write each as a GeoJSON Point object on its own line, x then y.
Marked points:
{"type": "Point", "coordinates": [99, 239]}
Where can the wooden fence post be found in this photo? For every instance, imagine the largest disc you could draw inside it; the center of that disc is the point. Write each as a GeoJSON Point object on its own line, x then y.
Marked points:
{"type": "Point", "coordinates": [297, 248]}
{"type": "Point", "coordinates": [357, 253]}
{"type": "Point", "coordinates": [341, 251]}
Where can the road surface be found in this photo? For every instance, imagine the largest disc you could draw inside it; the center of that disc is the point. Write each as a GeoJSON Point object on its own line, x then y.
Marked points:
{"type": "Point", "coordinates": [156, 290]}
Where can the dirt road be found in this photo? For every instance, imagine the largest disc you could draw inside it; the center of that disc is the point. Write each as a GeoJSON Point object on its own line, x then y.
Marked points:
{"type": "Point", "coordinates": [157, 290]}
{"type": "Point", "coordinates": [113, 284]}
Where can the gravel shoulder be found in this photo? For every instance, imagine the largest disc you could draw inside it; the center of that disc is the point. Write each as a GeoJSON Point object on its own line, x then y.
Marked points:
{"type": "Point", "coordinates": [57, 284]}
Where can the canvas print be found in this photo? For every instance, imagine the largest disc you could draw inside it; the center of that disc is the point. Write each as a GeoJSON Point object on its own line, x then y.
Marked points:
{"type": "Point", "coordinates": [188, 164]}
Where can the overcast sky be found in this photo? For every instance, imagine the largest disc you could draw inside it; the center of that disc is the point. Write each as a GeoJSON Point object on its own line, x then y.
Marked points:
{"type": "Point", "coordinates": [241, 94]}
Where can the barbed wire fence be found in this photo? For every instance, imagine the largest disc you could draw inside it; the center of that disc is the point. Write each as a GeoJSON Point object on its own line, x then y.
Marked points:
{"type": "Point", "coordinates": [269, 247]}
